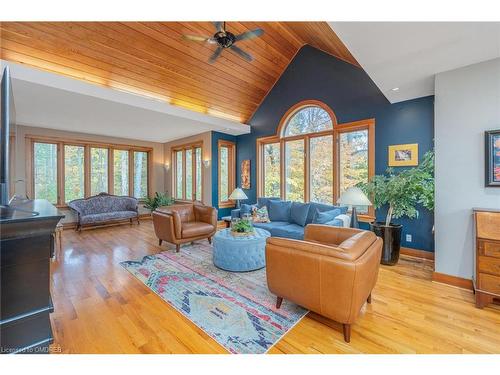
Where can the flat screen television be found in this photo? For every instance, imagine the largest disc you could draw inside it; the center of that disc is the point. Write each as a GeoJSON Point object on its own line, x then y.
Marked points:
{"type": "Point", "coordinates": [8, 118]}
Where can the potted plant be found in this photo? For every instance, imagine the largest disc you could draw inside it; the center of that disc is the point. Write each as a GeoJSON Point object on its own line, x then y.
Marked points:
{"type": "Point", "coordinates": [158, 200]}
{"type": "Point", "coordinates": [402, 192]}
{"type": "Point", "coordinates": [242, 228]}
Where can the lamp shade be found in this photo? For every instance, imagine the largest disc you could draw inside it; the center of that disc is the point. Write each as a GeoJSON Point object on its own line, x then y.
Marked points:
{"type": "Point", "coordinates": [238, 194]}
{"type": "Point", "coordinates": [354, 196]}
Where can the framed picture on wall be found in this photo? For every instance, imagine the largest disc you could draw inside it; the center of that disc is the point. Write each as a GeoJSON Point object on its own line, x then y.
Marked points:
{"type": "Point", "coordinates": [245, 174]}
{"type": "Point", "coordinates": [403, 155]}
{"type": "Point", "coordinates": [492, 158]}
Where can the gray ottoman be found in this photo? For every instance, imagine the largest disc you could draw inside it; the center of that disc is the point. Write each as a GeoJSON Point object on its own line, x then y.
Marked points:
{"type": "Point", "coordinates": [240, 253]}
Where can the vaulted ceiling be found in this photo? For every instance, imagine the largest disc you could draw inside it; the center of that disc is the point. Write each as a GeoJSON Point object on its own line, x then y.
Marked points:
{"type": "Point", "coordinates": [152, 58]}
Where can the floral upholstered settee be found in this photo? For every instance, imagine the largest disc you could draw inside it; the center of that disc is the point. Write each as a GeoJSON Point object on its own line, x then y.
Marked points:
{"type": "Point", "coordinates": [104, 208]}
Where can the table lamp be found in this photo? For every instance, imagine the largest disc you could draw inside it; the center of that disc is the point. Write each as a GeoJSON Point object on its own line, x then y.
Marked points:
{"type": "Point", "coordinates": [238, 195]}
{"type": "Point", "coordinates": [353, 197]}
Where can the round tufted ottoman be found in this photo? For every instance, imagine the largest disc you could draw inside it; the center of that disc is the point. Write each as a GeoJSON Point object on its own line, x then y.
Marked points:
{"type": "Point", "coordinates": [240, 253]}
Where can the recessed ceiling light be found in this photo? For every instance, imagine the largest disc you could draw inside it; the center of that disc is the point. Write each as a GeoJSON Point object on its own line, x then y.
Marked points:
{"type": "Point", "coordinates": [395, 89]}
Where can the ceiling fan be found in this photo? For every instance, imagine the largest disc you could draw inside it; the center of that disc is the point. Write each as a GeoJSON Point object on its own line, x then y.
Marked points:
{"type": "Point", "coordinates": [226, 40]}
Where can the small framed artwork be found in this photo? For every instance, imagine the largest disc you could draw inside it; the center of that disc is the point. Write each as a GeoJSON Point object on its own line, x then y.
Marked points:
{"type": "Point", "coordinates": [245, 174]}
{"type": "Point", "coordinates": [492, 158]}
{"type": "Point", "coordinates": [403, 155]}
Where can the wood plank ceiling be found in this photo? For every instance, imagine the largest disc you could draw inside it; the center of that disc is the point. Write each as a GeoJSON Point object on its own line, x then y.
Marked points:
{"type": "Point", "coordinates": [152, 58]}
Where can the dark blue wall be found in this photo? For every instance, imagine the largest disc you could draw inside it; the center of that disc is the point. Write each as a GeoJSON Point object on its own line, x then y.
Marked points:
{"type": "Point", "coordinates": [353, 96]}
{"type": "Point", "coordinates": [215, 171]}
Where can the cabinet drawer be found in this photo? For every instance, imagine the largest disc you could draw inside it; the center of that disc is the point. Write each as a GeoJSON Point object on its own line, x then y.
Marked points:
{"type": "Point", "coordinates": [489, 283]}
{"type": "Point", "coordinates": [488, 225]}
{"type": "Point", "coordinates": [489, 265]}
{"type": "Point", "coordinates": [489, 249]}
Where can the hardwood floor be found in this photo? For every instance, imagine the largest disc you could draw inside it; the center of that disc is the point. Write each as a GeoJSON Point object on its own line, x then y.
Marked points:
{"type": "Point", "coordinates": [101, 308]}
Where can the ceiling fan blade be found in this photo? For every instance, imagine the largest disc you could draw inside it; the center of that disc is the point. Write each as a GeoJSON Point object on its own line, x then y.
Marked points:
{"type": "Point", "coordinates": [219, 26]}
{"type": "Point", "coordinates": [242, 53]}
{"type": "Point", "coordinates": [197, 38]}
{"type": "Point", "coordinates": [250, 34]}
{"type": "Point", "coordinates": [215, 55]}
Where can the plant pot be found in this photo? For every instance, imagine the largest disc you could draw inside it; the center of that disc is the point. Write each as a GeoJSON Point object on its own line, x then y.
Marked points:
{"type": "Point", "coordinates": [392, 241]}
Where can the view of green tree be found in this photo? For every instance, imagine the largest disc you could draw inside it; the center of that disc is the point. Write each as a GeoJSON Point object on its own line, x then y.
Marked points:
{"type": "Point", "coordinates": [45, 171]}
{"type": "Point", "coordinates": [189, 174]}
{"type": "Point", "coordinates": [74, 175]}
{"type": "Point", "coordinates": [198, 173]}
{"type": "Point", "coordinates": [140, 174]}
{"type": "Point", "coordinates": [224, 174]}
{"type": "Point", "coordinates": [353, 155]}
{"type": "Point", "coordinates": [98, 170]}
{"type": "Point", "coordinates": [179, 175]}
{"type": "Point", "coordinates": [308, 120]}
{"type": "Point", "coordinates": [272, 178]}
{"type": "Point", "coordinates": [120, 177]}
{"type": "Point", "coordinates": [294, 170]}
{"type": "Point", "coordinates": [321, 169]}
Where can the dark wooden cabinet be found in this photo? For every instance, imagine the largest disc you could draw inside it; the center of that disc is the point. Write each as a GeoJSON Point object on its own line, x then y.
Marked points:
{"type": "Point", "coordinates": [487, 256]}
{"type": "Point", "coordinates": [25, 303]}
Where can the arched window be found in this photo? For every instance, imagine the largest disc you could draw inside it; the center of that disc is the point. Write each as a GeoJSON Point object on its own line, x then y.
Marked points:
{"type": "Point", "coordinates": [312, 158]}
{"type": "Point", "coordinates": [308, 119]}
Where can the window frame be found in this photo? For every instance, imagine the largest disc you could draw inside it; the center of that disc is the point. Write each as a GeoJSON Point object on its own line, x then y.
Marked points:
{"type": "Point", "coordinates": [61, 142]}
{"type": "Point", "coordinates": [231, 172]}
{"type": "Point", "coordinates": [173, 158]}
{"type": "Point", "coordinates": [366, 124]}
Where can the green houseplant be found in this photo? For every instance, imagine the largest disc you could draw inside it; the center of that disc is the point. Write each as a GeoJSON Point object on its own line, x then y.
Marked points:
{"type": "Point", "coordinates": [158, 200]}
{"type": "Point", "coordinates": [402, 192]}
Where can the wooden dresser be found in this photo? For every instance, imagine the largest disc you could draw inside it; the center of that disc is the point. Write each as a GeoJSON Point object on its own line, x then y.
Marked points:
{"type": "Point", "coordinates": [487, 255]}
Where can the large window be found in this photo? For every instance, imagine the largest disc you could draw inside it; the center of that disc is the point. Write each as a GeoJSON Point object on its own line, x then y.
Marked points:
{"type": "Point", "coordinates": [74, 180]}
{"type": "Point", "coordinates": [226, 172]}
{"type": "Point", "coordinates": [45, 171]}
{"type": "Point", "coordinates": [313, 158]}
{"type": "Point", "coordinates": [64, 170]}
{"type": "Point", "coordinates": [187, 168]}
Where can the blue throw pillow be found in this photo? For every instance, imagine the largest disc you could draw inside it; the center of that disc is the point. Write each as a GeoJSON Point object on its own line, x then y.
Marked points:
{"type": "Point", "coordinates": [325, 216]}
{"type": "Point", "coordinates": [263, 201]}
{"type": "Point", "coordinates": [246, 209]}
{"type": "Point", "coordinates": [279, 210]}
{"type": "Point", "coordinates": [298, 213]}
{"type": "Point", "coordinates": [335, 223]}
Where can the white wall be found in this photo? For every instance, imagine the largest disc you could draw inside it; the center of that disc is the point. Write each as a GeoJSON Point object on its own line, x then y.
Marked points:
{"type": "Point", "coordinates": [467, 102]}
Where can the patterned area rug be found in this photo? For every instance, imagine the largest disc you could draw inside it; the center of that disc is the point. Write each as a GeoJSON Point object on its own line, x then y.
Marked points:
{"type": "Point", "coordinates": [236, 309]}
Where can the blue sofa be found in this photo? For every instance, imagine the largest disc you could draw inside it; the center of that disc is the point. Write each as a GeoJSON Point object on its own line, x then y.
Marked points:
{"type": "Point", "coordinates": [293, 224]}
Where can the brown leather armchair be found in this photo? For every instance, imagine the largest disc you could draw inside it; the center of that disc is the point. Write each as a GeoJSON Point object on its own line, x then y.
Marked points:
{"type": "Point", "coordinates": [178, 224]}
{"type": "Point", "coordinates": [332, 272]}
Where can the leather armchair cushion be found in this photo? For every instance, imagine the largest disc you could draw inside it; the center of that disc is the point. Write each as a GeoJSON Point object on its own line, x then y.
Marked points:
{"type": "Point", "coordinates": [185, 212]}
{"type": "Point", "coordinates": [196, 228]}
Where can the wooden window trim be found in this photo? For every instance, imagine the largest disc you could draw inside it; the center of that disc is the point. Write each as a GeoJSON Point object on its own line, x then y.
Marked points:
{"type": "Point", "coordinates": [61, 142]}
{"type": "Point", "coordinates": [231, 171]}
{"type": "Point", "coordinates": [173, 157]}
{"type": "Point", "coordinates": [368, 124]}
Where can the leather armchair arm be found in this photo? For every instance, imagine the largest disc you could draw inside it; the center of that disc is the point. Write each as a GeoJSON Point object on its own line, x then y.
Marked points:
{"type": "Point", "coordinates": [175, 220]}
{"type": "Point", "coordinates": [327, 234]}
{"type": "Point", "coordinates": [206, 214]}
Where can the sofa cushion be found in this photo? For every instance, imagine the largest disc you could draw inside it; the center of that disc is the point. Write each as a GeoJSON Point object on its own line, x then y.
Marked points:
{"type": "Point", "coordinates": [321, 208]}
{"type": "Point", "coordinates": [298, 213]}
{"type": "Point", "coordinates": [292, 231]}
{"type": "Point", "coordinates": [107, 216]}
{"type": "Point", "coordinates": [103, 203]}
{"type": "Point", "coordinates": [325, 216]}
{"type": "Point", "coordinates": [335, 223]}
{"type": "Point", "coordinates": [270, 226]}
{"type": "Point", "coordinates": [262, 201]}
{"type": "Point", "coordinates": [279, 210]}
{"type": "Point", "coordinates": [195, 229]}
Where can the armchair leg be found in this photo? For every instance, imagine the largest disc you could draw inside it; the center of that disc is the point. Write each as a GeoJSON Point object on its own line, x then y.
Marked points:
{"type": "Point", "coordinates": [130, 221]}
{"type": "Point", "coordinates": [159, 242]}
{"type": "Point", "coordinates": [346, 328]}
{"type": "Point", "coordinates": [210, 240]}
{"type": "Point", "coordinates": [369, 299]}
{"type": "Point", "coordinates": [279, 300]}
{"type": "Point", "coordinates": [177, 248]}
